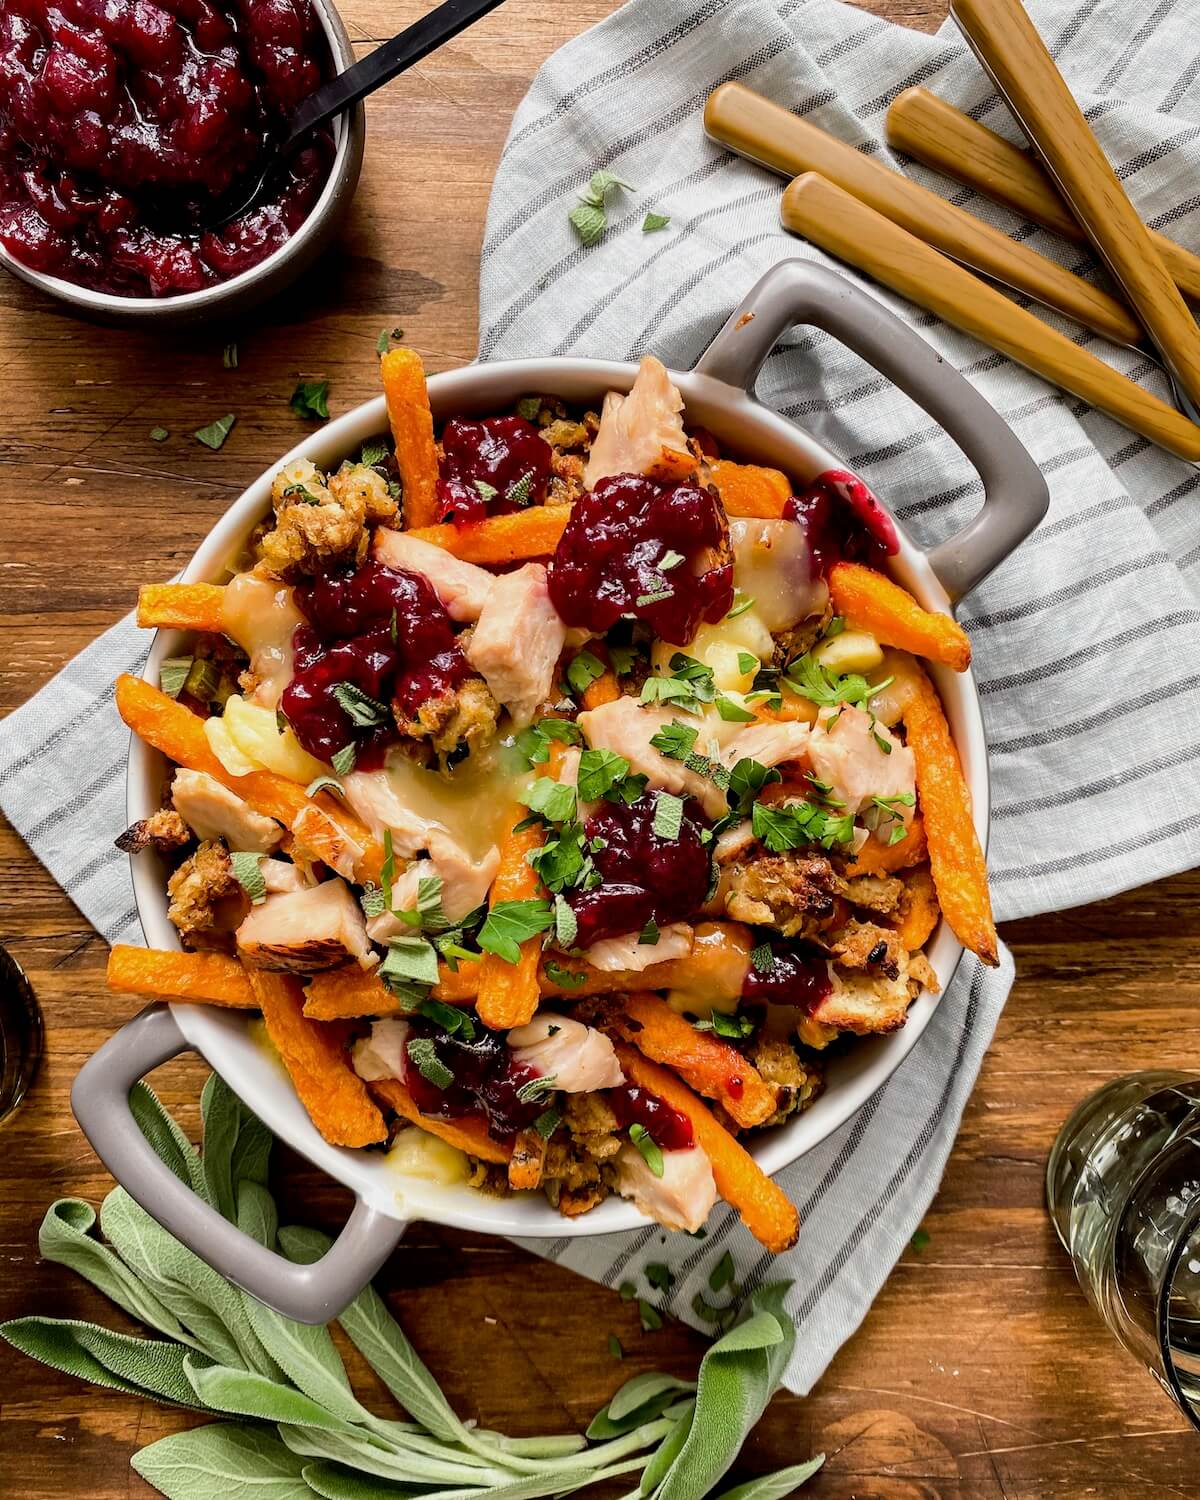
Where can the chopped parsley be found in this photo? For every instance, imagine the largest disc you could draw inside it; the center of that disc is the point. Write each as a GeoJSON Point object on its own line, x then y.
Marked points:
{"type": "Point", "coordinates": [311, 399]}
{"type": "Point", "coordinates": [552, 800]}
{"type": "Point", "coordinates": [660, 1276]}
{"type": "Point", "coordinates": [741, 603]}
{"type": "Point", "coordinates": [733, 1028]}
{"type": "Point", "coordinates": [747, 779]}
{"type": "Point", "coordinates": [583, 671]}
{"type": "Point", "coordinates": [722, 1274]}
{"type": "Point", "coordinates": [807, 677]}
{"type": "Point", "coordinates": [648, 937]}
{"type": "Point", "coordinates": [650, 1152]}
{"type": "Point", "coordinates": [733, 713]}
{"type": "Point", "coordinates": [797, 824]}
{"type": "Point", "coordinates": [652, 1319]}
{"type": "Point", "coordinates": [214, 435]}
{"type": "Point", "coordinates": [566, 979]}
{"type": "Point", "coordinates": [747, 662]}
{"type": "Point", "coordinates": [675, 740]}
{"type": "Point", "coordinates": [510, 923]}
{"type": "Point", "coordinates": [600, 771]}
{"type": "Point", "coordinates": [451, 1018]}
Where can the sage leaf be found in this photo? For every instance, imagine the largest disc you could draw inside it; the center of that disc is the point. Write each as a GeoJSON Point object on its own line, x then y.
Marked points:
{"type": "Point", "coordinates": [537, 1485]}
{"type": "Point", "coordinates": [136, 1366]}
{"type": "Point", "coordinates": [219, 1112]}
{"type": "Point", "coordinates": [775, 1486]}
{"type": "Point", "coordinates": [65, 1238]}
{"type": "Point", "coordinates": [358, 1451]}
{"type": "Point", "coordinates": [223, 1461]}
{"type": "Point", "coordinates": [244, 1393]}
{"type": "Point", "coordinates": [307, 1356]}
{"type": "Point", "coordinates": [636, 1392]}
{"type": "Point", "coordinates": [257, 1215]}
{"type": "Point", "coordinates": [333, 1482]}
{"type": "Point", "coordinates": [603, 1425]}
{"type": "Point", "coordinates": [663, 1457]}
{"type": "Point", "coordinates": [738, 1376]}
{"type": "Point", "coordinates": [535, 1447]}
{"type": "Point", "coordinates": [169, 1142]}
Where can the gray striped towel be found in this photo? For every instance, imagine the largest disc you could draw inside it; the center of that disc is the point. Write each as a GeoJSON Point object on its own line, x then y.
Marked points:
{"type": "Point", "coordinates": [1084, 642]}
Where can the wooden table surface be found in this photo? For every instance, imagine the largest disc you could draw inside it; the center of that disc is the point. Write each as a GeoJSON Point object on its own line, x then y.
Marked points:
{"type": "Point", "coordinates": [980, 1371]}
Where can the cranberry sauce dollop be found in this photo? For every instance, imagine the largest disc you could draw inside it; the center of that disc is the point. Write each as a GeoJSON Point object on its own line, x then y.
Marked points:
{"type": "Point", "coordinates": [609, 560]}
{"type": "Point", "coordinates": [486, 1080]}
{"type": "Point", "coordinates": [843, 519]}
{"type": "Point", "coordinates": [484, 463]}
{"type": "Point", "coordinates": [642, 875]}
{"type": "Point", "coordinates": [667, 1127]}
{"type": "Point", "coordinates": [796, 977]}
{"type": "Point", "coordinates": [122, 122]}
{"type": "Point", "coordinates": [350, 638]}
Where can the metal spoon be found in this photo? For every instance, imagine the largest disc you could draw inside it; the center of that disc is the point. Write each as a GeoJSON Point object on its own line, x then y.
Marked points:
{"type": "Point", "coordinates": [347, 88]}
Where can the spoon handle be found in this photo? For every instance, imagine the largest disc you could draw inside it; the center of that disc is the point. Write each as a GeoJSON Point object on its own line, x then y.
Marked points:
{"type": "Point", "coordinates": [382, 65]}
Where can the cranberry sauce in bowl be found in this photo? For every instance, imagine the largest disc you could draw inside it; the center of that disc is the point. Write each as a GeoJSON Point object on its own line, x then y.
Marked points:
{"type": "Point", "coordinates": [126, 124]}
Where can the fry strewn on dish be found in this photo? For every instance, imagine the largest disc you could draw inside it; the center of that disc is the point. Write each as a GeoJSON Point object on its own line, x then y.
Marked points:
{"type": "Point", "coordinates": [563, 789]}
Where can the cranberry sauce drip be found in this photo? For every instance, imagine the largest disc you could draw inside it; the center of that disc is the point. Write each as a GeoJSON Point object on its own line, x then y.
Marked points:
{"type": "Point", "coordinates": [668, 1127]}
{"type": "Point", "coordinates": [642, 875]}
{"type": "Point", "coordinates": [796, 977]}
{"type": "Point", "coordinates": [486, 1080]}
{"type": "Point", "coordinates": [609, 560]}
{"type": "Point", "coordinates": [350, 639]}
{"type": "Point", "coordinates": [122, 122]}
{"type": "Point", "coordinates": [843, 519]}
{"type": "Point", "coordinates": [506, 455]}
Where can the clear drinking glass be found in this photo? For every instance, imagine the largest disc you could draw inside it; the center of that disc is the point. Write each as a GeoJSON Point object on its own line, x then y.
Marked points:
{"type": "Point", "coordinates": [1123, 1187]}
{"type": "Point", "coordinates": [20, 1034]}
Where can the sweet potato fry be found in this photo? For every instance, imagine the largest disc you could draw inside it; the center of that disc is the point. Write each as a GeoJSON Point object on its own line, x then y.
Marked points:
{"type": "Point", "coordinates": [955, 858]}
{"type": "Point", "coordinates": [183, 606]}
{"type": "Point", "coordinates": [719, 960]}
{"type": "Point", "coordinates": [412, 429]}
{"type": "Point", "coordinates": [210, 977]}
{"type": "Point", "coordinates": [875, 858]}
{"type": "Point", "coordinates": [919, 910]}
{"type": "Point", "coordinates": [502, 539]}
{"type": "Point", "coordinates": [468, 1135]}
{"type": "Point", "coordinates": [331, 1091]}
{"type": "Point", "coordinates": [526, 1163]}
{"type": "Point", "coordinates": [326, 829]}
{"type": "Point", "coordinates": [604, 689]}
{"type": "Point", "coordinates": [872, 602]}
{"type": "Point", "coordinates": [749, 489]}
{"type": "Point", "coordinates": [709, 1065]}
{"type": "Point", "coordinates": [764, 1209]}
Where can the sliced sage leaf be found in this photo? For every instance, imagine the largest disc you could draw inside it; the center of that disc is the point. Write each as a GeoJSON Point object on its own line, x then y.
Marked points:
{"type": "Point", "coordinates": [169, 1142]}
{"type": "Point", "coordinates": [243, 1393]}
{"type": "Point", "coordinates": [220, 1462]}
{"type": "Point", "coordinates": [214, 435]}
{"type": "Point", "coordinates": [635, 1393]}
{"type": "Point", "coordinates": [775, 1486]}
{"type": "Point", "coordinates": [136, 1366]}
{"type": "Point", "coordinates": [257, 1215]}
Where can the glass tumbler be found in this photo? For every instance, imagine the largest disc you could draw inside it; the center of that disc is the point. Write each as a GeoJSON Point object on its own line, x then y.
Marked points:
{"type": "Point", "coordinates": [20, 1034]}
{"type": "Point", "coordinates": [1123, 1188]}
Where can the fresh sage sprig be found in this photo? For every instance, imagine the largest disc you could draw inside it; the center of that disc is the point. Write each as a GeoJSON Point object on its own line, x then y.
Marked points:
{"type": "Point", "coordinates": [292, 1426]}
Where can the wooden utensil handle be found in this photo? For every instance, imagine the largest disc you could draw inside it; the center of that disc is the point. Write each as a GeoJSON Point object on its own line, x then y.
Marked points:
{"type": "Point", "coordinates": [1015, 56]}
{"type": "Point", "coordinates": [755, 127]}
{"type": "Point", "coordinates": [839, 224]}
{"type": "Point", "coordinates": [942, 137]}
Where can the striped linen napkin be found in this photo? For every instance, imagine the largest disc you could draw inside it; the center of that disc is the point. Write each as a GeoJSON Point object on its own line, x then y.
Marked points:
{"type": "Point", "coordinates": [1084, 642]}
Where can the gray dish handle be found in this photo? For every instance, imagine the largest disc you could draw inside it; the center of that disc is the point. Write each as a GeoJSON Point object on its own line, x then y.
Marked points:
{"type": "Point", "coordinates": [310, 1294]}
{"type": "Point", "coordinates": [1015, 496]}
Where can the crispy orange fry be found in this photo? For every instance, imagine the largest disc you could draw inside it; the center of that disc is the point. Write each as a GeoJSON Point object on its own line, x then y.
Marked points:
{"type": "Point", "coordinates": [326, 829]}
{"type": "Point", "coordinates": [331, 1091]}
{"type": "Point", "coordinates": [718, 963]}
{"type": "Point", "coordinates": [919, 911]}
{"type": "Point", "coordinates": [603, 689]}
{"type": "Point", "coordinates": [412, 429]}
{"type": "Point", "coordinates": [526, 1163]}
{"type": "Point", "coordinates": [875, 858]}
{"type": "Point", "coordinates": [502, 539]}
{"type": "Point", "coordinates": [185, 606]}
{"type": "Point", "coordinates": [871, 601]}
{"type": "Point", "coordinates": [749, 489]}
{"type": "Point", "coordinates": [210, 977]}
{"type": "Point", "coordinates": [468, 1135]}
{"type": "Point", "coordinates": [712, 1067]}
{"type": "Point", "coordinates": [763, 1206]}
{"type": "Point", "coordinates": [959, 871]}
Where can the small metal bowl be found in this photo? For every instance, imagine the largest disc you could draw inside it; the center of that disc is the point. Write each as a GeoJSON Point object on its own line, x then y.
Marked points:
{"type": "Point", "coordinates": [240, 292]}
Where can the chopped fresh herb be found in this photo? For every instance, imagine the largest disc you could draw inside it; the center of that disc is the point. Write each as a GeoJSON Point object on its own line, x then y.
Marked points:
{"type": "Point", "coordinates": [247, 871]}
{"type": "Point", "coordinates": [409, 961]}
{"type": "Point", "coordinates": [566, 924]}
{"type": "Point", "coordinates": [675, 740]}
{"type": "Point", "coordinates": [654, 221]}
{"type": "Point", "coordinates": [550, 799]}
{"type": "Point", "coordinates": [214, 435]}
{"type": "Point", "coordinates": [159, 434]}
{"type": "Point", "coordinates": [703, 1308]}
{"type": "Point", "coordinates": [299, 492]}
{"type": "Point", "coordinates": [697, 1234]}
{"type": "Point", "coordinates": [520, 492]}
{"type": "Point", "coordinates": [565, 730]}
{"type": "Point", "coordinates": [741, 603]}
{"type": "Point", "coordinates": [919, 1240]}
{"type": "Point", "coordinates": [387, 871]}
{"type": "Point", "coordinates": [671, 690]}
{"type": "Point", "coordinates": [628, 1291]}
{"type": "Point", "coordinates": [588, 221]}
{"type": "Point", "coordinates": [799, 823]}
{"type": "Point", "coordinates": [583, 671]}
{"type": "Point", "coordinates": [733, 713]}
{"type": "Point", "coordinates": [428, 911]}
{"type": "Point", "coordinates": [623, 658]}
{"type": "Point", "coordinates": [900, 831]}
{"type": "Point", "coordinates": [229, 356]}
{"type": "Point", "coordinates": [807, 677]}
{"type": "Point", "coordinates": [560, 862]}
{"type": "Point", "coordinates": [882, 744]}
{"type": "Point", "coordinates": [310, 399]}
{"type": "Point", "coordinates": [537, 1088]}
{"type": "Point", "coordinates": [648, 937]}
{"type": "Point", "coordinates": [510, 923]}
{"type": "Point", "coordinates": [601, 184]}
{"type": "Point", "coordinates": [651, 1318]}
{"type": "Point", "coordinates": [668, 815]}
{"type": "Point", "coordinates": [383, 342]}
{"type": "Point", "coordinates": [667, 592]}
{"type": "Point", "coordinates": [547, 1123]}
{"type": "Point", "coordinates": [733, 1028]}
{"type": "Point", "coordinates": [173, 673]}
{"type": "Point", "coordinates": [423, 1055]}
{"type": "Point", "coordinates": [722, 1274]}
{"type": "Point", "coordinates": [451, 1018]}
{"type": "Point", "coordinates": [614, 1347]}
{"type": "Point", "coordinates": [650, 1152]}
{"type": "Point", "coordinates": [669, 560]}
{"type": "Point", "coordinates": [397, 334]}
{"type": "Point", "coordinates": [717, 773]}
{"type": "Point", "coordinates": [486, 491]}
{"type": "Point", "coordinates": [747, 662]}
{"type": "Point", "coordinates": [372, 454]}
{"type": "Point", "coordinates": [203, 680]}
{"type": "Point", "coordinates": [835, 627]}
{"type": "Point", "coordinates": [762, 958]}
{"type": "Point", "coordinates": [599, 772]}
{"type": "Point", "coordinates": [372, 901]}
{"type": "Point", "coordinates": [363, 711]}
{"type": "Point", "coordinates": [324, 784]}
{"type": "Point", "coordinates": [747, 779]}
{"type": "Point", "coordinates": [659, 1276]}
{"type": "Point", "coordinates": [529, 407]}
{"type": "Point", "coordinates": [566, 979]}
{"type": "Point", "coordinates": [343, 759]}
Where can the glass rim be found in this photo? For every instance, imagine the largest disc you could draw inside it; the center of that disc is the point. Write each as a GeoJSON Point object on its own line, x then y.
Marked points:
{"type": "Point", "coordinates": [1171, 1377]}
